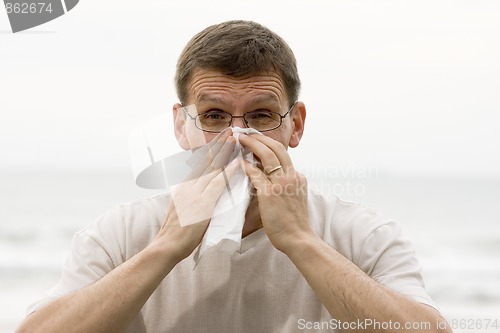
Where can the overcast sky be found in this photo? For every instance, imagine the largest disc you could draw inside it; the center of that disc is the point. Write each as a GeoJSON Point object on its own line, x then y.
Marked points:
{"type": "Point", "coordinates": [410, 87]}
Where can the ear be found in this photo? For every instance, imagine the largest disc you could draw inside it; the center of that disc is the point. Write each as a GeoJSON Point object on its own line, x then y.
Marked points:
{"type": "Point", "coordinates": [298, 117]}
{"type": "Point", "coordinates": [179, 126]}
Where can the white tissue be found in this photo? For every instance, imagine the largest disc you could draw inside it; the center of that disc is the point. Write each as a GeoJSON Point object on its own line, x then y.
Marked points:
{"type": "Point", "coordinates": [226, 225]}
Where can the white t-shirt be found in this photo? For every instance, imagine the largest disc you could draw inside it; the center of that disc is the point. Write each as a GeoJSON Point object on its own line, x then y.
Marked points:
{"type": "Point", "coordinates": [258, 289]}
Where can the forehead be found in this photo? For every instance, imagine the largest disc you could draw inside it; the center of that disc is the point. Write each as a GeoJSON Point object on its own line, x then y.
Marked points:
{"type": "Point", "coordinates": [214, 87]}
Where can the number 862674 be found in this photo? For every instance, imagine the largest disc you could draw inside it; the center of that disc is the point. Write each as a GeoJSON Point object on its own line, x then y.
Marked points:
{"type": "Point", "coordinates": [28, 8]}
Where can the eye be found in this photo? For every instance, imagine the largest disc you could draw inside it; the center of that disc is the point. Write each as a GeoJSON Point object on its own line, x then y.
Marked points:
{"type": "Point", "coordinates": [214, 115]}
{"type": "Point", "coordinates": [260, 114]}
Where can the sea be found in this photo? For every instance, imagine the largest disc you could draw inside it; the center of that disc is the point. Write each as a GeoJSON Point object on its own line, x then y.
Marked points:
{"type": "Point", "coordinates": [453, 222]}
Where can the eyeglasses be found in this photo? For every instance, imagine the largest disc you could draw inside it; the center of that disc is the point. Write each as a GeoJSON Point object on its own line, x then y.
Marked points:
{"type": "Point", "coordinates": [215, 121]}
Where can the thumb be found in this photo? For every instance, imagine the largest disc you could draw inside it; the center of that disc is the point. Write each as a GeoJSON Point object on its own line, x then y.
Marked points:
{"type": "Point", "coordinates": [257, 177]}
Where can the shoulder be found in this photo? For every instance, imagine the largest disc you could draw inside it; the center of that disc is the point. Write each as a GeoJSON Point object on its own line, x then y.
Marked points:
{"type": "Point", "coordinates": [146, 208]}
{"type": "Point", "coordinates": [127, 228]}
{"type": "Point", "coordinates": [328, 212]}
{"type": "Point", "coordinates": [371, 241]}
{"type": "Point", "coordinates": [348, 226]}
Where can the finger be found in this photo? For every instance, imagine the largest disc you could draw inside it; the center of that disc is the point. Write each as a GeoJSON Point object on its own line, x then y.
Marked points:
{"type": "Point", "coordinates": [223, 157]}
{"type": "Point", "coordinates": [266, 155]}
{"type": "Point", "coordinates": [257, 177]}
{"type": "Point", "coordinates": [221, 179]}
{"type": "Point", "coordinates": [194, 202]}
{"type": "Point", "coordinates": [216, 176]}
{"type": "Point", "coordinates": [220, 153]}
{"type": "Point", "coordinates": [204, 161]}
{"type": "Point", "coordinates": [277, 147]}
{"type": "Point", "coordinates": [215, 145]}
{"type": "Point", "coordinates": [218, 144]}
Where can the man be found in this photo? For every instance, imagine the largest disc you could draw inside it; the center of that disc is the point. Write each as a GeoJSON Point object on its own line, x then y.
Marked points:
{"type": "Point", "coordinates": [306, 263]}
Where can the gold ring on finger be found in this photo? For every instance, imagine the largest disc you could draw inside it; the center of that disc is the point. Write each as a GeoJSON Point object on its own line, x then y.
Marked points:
{"type": "Point", "coordinates": [274, 170]}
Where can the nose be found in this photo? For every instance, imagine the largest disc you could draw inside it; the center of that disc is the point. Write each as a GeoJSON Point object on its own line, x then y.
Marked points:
{"type": "Point", "coordinates": [238, 121]}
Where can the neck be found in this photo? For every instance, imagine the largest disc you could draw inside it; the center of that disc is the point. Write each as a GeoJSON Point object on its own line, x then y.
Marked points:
{"type": "Point", "coordinates": [252, 218]}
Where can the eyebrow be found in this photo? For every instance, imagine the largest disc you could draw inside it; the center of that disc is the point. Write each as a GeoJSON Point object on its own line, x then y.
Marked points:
{"type": "Point", "coordinates": [266, 98]}
{"type": "Point", "coordinates": [208, 98]}
{"type": "Point", "coordinates": [257, 100]}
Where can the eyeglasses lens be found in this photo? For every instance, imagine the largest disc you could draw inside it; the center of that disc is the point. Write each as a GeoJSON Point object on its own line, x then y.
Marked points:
{"type": "Point", "coordinates": [216, 121]}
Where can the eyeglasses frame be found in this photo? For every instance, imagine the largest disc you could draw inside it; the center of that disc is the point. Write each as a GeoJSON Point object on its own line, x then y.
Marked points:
{"type": "Point", "coordinates": [244, 120]}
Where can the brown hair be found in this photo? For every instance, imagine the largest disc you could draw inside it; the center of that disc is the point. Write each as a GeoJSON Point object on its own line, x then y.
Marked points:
{"type": "Point", "coordinates": [238, 48]}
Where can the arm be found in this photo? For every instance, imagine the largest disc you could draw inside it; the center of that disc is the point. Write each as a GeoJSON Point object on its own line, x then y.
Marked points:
{"type": "Point", "coordinates": [111, 303]}
{"type": "Point", "coordinates": [346, 292]}
{"type": "Point", "coordinates": [349, 294]}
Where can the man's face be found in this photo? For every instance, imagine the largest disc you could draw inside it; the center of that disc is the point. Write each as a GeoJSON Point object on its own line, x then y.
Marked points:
{"type": "Point", "coordinates": [210, 90]}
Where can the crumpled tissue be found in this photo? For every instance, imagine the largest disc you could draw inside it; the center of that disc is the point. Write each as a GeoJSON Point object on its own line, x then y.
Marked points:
{"type": "Point", "coordinates": [226, 225]}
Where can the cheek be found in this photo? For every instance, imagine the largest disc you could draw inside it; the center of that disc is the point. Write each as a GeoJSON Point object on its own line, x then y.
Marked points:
{"type": "Point", "coordinates": [209, 136]}
{"type": "Point", "coordinates": [197, 138]}
{"type": "Point", "coordinates": [281, 134]}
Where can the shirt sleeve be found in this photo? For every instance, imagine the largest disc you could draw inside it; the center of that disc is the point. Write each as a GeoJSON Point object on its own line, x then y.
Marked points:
{"type": "Point", "coordinates": [90, 258]}
{"type": "Point", "coordinates": [372, 242]}
{"type": "Point", "coordinates": [389, 258]}
{"type": "Point", "coordinates": [111, 240]}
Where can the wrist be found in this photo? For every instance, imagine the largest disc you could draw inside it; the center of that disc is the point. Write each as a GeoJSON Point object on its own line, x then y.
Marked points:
{"type": "Point", "coordinates": [301, 244]}
{"type": "Point", "coordinates": [164, 255]}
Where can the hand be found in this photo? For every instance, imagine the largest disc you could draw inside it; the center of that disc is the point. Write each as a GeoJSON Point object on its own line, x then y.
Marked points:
{"type": "Point", "coordinates": [282, 194]}
{"type": "Point", "coordinates": [193, 201]}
